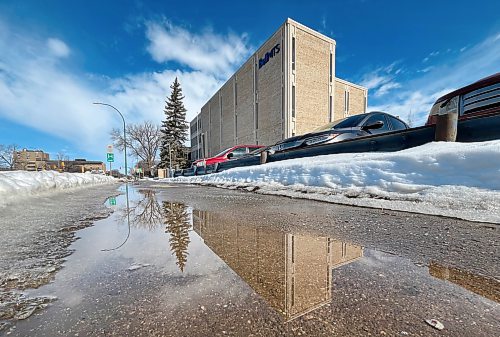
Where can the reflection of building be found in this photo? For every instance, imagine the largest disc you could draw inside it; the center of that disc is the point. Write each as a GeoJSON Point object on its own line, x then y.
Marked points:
{"type": "Point", "coordinates": [292, 272]}
{"type": "Point", "coordinates": [30, 160]}
{"type": "Point", "coordinates": [287, 87]}
{"type": "Point", "coordinates": [486, 287]}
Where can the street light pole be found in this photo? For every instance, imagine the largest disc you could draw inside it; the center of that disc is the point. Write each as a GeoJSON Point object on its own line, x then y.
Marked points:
{"type": "Point", "coordinates": [124, 136]}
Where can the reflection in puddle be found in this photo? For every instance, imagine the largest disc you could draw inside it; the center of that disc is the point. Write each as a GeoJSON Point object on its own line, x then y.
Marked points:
{"type": "Point", "coordinates": [291, 272]}
{"type": "Point", "coordinates": [177, 224]}
{"type": "Point", "coordinates": [478, 284]}
{"type": "Point", "coordinates": [146, 212]}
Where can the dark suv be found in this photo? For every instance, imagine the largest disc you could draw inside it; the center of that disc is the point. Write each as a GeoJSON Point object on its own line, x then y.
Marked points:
{"type": "Point", "coordinates": [481, 98]}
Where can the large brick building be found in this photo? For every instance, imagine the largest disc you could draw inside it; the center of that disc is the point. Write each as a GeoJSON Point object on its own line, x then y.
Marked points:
{"type": "Point", "coordinates": [287, 87]}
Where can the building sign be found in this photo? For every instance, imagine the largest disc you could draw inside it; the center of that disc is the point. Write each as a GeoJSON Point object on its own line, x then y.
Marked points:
{"type": "Point", "coordinates": [269, 55]}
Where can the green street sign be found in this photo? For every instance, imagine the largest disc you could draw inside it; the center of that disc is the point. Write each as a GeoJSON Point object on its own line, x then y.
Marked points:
{"type": "Point", "coordinates": [112, 201]}
{"type": "Point", "coordinates": [111, 157]}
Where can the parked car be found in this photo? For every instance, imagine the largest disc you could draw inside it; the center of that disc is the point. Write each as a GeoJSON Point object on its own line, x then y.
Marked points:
{"type": "Point", "coordinates": [234, 152]}
{"type": "Point", "coordinates": [481, 98]}
{"type": "Point", "coordinates": [367, 124]}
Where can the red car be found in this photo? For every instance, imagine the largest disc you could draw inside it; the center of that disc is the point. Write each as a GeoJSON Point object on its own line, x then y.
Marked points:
{"type": "Point", "coordinates": [481, 98]}
{"type": "Point", "coordinates": [234, 152]}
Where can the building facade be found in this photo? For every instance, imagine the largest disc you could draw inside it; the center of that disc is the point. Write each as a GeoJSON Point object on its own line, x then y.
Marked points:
{"type": "Point", "coordinates": [287, 87]}
{"type": "Point", "coordinates": [30, 160]}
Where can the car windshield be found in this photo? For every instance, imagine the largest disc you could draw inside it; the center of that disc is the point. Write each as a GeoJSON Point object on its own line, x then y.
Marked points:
{"type": "Point", "coordinates": [257, 151]}
{"type": "Point", "coordinates": [348, 122]}
{"type": "Point", "coordinates": [222, 152]}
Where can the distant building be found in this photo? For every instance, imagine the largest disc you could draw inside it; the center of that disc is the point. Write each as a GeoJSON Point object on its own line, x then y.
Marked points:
{"type": "Point", "coordinates": [79, 165]}
{"type": "Point", "coordinates": [30, 160]}
{"type": "Point", "coordinates": [286, 88]}
{"type": "Point", "coordinates": [37, 160]}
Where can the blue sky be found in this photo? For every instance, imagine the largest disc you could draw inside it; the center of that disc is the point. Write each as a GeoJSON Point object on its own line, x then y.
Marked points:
{"type": "Point", "coordinates": [56, 58]}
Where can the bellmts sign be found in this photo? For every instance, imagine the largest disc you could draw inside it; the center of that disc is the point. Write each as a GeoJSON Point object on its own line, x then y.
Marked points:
{"type": "Point", "coordinates": [270, 54]}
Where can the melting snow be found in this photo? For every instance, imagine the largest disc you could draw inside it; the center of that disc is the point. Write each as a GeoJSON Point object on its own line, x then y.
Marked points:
{"type": "Point", "coordinates": [15, 185]}
{"type": "Point", "coordinates": [452, 179]}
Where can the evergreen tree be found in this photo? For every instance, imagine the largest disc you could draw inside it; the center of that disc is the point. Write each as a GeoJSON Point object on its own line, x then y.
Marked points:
{"type": "Point", "coordinates": [174, 129]}
{"type": "Point", "coordinates": [177, 225]}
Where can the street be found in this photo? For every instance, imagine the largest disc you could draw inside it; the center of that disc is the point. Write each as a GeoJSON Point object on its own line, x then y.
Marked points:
{"type": "Point", "coordinates": [203, 261]}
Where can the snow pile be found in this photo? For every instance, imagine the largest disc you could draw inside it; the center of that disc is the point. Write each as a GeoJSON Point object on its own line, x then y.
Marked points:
{"type": "Point", "coordinates": [15, 185]}
{"type": "Point", "coordinates": [452, 179]}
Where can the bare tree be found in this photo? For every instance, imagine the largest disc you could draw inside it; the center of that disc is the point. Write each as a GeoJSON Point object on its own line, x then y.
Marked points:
{"type": "Point", "coordinates": [7, 158]}
{"type": "Point", "coordinates": [143, 140]}
{"type": "Point", "coordinates": [410, 119]}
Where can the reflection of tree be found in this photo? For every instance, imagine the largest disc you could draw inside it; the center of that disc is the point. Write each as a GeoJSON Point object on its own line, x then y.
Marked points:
{"type": "Point", "coordinates": [147, 212]}
{"type": "Point", "coordinates": [177, 224]}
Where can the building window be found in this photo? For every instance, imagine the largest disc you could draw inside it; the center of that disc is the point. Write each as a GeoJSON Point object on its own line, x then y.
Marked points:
{"type": "Point", "coordinates": [293, 53]}
{"type": "Point", "coordinates": [235, 93]}
{"type": "Point", "coordinates": [293, 101]}
{"type": "Point", "coordinates": [330, 112]}
{"type": "Point", "coordinates": [256, 115]}
{"type": "Point", "coordinates": [331, 67]}
{"type": "Point", "coordinates": [236, 125]}
{"type": "Point", "coordinates": [346, 102]}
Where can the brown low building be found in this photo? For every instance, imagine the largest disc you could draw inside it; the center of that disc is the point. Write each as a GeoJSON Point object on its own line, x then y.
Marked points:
{"type": "Point", "coordinates": [76, 166]}
{"type": "Point", "coordinates": [30, 160]}
{"type": "Point", "coordinates": [287, 87]}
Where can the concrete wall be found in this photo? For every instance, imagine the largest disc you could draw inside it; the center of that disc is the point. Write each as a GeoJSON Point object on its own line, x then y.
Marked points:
{"type": "Point", "coordinates": [268, 116]}
{"type": "Point", "coordinates": [205, 128]}
{"type": "Point", "coordinates": [227, 106]}
{"type": "Point", "coordinates": [311, 81]}
{"type": "Point", "coordinates": [357, 99]}
{"type": "Point", "coordinates": [215, 125]}
{"type": "Point", "coordinates": [244, 97]}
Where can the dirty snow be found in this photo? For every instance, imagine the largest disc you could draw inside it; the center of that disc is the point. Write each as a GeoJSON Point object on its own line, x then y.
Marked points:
{"type": "Point", "coordinates": [451, 179]}
{"type": "Point", "coordinates": [15, 185]}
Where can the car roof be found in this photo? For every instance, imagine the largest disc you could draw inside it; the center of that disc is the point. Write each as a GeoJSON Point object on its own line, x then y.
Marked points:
{"type": "Point", "coordinates": [484, 82]}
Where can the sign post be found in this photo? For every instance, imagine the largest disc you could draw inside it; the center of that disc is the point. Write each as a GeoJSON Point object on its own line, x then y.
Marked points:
{"type": "Point", "coordinates": [110, 157]}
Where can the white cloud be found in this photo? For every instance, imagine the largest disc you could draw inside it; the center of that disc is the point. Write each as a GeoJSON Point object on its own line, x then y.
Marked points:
{"type": "Point", "coordinates": [386, 87]}
{"type": "Point", "coordinates": [419, 92]}
{"type": "Point", "coordinates": [58, 47]}
{"type": "Point", "coordinates": [381, 80]}
{"type": "Point", "coordinates": [425, 70]}
{"type": "Point", "coordinates": [208, 52]}
{"type": "Point", "coordinates": [42, 94]}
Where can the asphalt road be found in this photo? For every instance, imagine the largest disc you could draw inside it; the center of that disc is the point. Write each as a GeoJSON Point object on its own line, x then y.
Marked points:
{"type": "Point", "coordinates": [202, 261]}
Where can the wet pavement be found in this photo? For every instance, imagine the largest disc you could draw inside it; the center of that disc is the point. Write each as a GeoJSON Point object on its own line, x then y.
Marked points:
{"type": "Point", "coordinates": [196, 261]}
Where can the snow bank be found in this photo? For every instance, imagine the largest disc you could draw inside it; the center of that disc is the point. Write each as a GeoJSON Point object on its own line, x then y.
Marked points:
{"type": "Point", "coordinates": [451, 179]}
{"type": "Point", "coordinates": [15, 185]}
